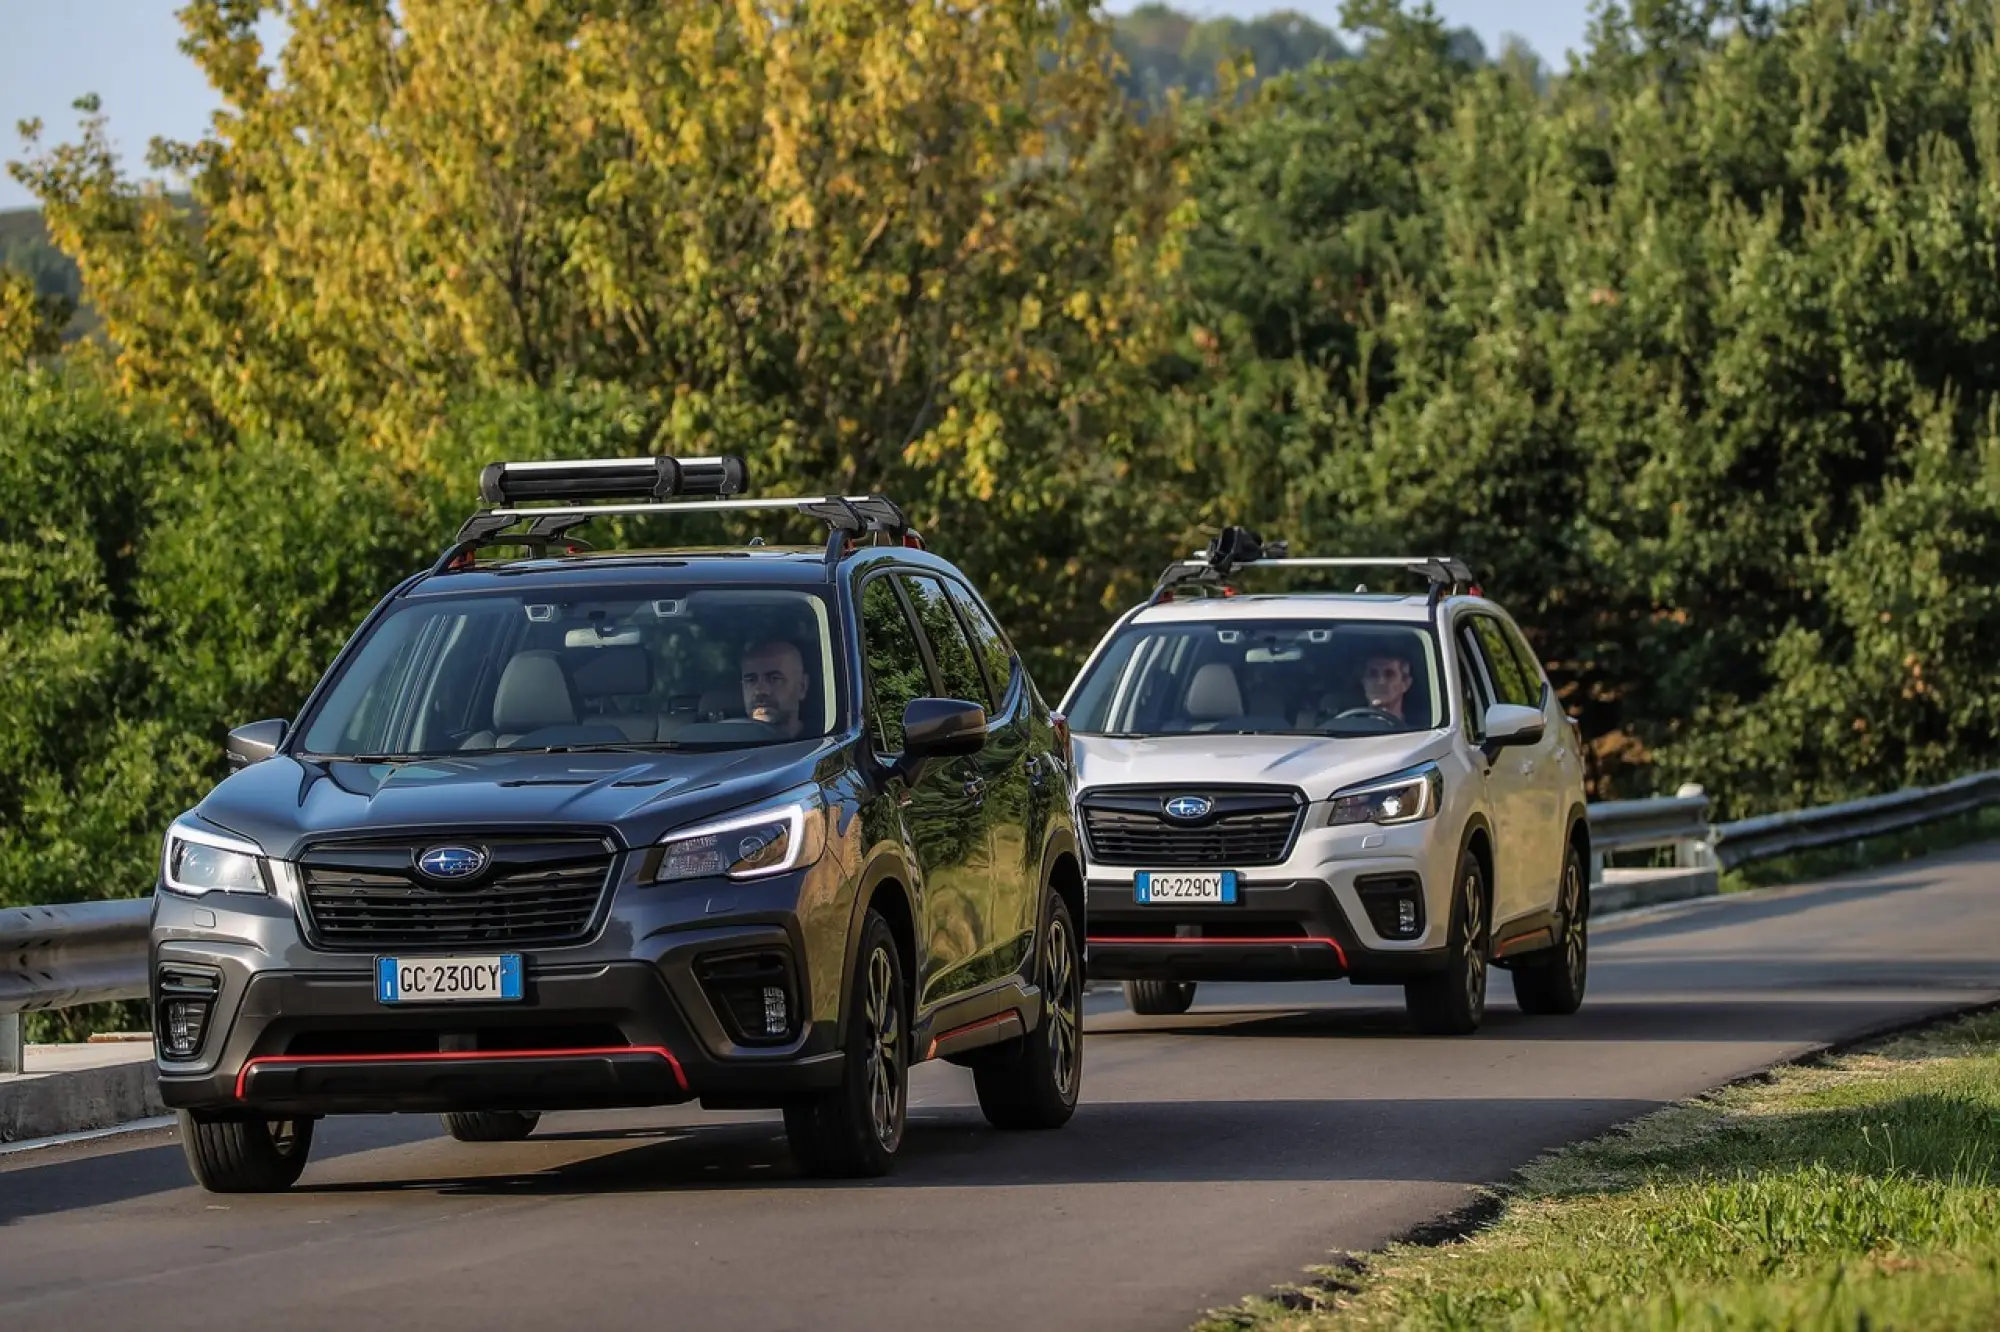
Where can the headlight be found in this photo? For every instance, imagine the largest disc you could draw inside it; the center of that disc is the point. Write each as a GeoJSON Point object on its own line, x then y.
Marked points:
{"type": "Point", "coordinates": [1403, 798]}
{"type": "Point", "coordinates": [195, 862]}
{"type": "Point", "coordinates": [750, 846]}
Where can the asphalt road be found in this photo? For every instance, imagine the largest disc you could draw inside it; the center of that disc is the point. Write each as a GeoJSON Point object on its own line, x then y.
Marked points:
{"type": "Point", "coordinates": [1215, 1155]}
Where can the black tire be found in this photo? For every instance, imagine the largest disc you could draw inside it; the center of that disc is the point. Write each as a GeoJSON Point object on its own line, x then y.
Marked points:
{"type": "Point", "coordinates": [855, 1129]}
{"type": "Point", "coordinates": [1551, 983]}
{"type": "Point", "coordinates": [245, 1155]}
{"type": "Point", "coordinates": [490, 1125]}
{"type": "Point", "coordinates": [1152, 998]}
{"type": "Point", "coordinates": [1034, 1084]}
{"type": "Point", "coordinates": [1453, 1002]}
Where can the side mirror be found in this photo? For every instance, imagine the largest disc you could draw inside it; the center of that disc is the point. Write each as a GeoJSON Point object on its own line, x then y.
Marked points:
{"type": "Point", "coordinates": [256, 742]}
{"type": "Point", "coordinates": [1512, 724]}
{"type": "Point", "coordinates": [942, 728]}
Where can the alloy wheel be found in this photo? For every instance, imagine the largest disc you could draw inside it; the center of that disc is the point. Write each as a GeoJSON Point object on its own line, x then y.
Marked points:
{"type": "Point", "coordinates": [885, 1047]}
{"type": "Point", "coordinates": [1475, 939]}
{"type": "Point", "coordinates": [1065, 1009]}
{"type": "Point", "coordinates": [1573, 924]}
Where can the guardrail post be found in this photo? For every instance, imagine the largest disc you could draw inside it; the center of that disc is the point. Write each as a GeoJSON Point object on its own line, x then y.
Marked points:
{"type": "Point", "coordinates": [13, 1051]}
{"type": "Point", "coordinates": [1697, 853]}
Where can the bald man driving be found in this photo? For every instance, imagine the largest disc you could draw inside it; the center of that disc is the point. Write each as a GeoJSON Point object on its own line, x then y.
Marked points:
{"type": "Point", "coordinates": [774, 686]}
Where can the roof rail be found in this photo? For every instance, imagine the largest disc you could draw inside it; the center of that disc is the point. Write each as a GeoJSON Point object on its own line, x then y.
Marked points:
{"type": "Point", "coordinates": [642, 486]}
{"type": "Point", "coordinates": [1235, 548]}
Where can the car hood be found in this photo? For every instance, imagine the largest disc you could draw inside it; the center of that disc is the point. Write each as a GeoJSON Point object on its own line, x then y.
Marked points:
{"type": "Point", "coordinates": [283, 802]}
{"type": "Point", "coordinates": [1316, 765]}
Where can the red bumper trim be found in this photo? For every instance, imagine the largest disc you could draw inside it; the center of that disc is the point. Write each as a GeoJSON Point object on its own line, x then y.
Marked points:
{"type": "Point", "coordinates": [1297, 941]}
{"type": "Point", "coordinates": [451, 1056]}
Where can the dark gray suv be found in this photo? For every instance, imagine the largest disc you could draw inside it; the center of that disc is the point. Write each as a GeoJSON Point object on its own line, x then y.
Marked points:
{"type": "Point", "coordinates": [758, 826]}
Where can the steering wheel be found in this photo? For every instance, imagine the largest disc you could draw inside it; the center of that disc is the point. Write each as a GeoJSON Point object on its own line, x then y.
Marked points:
{"type": "Point", "coordinates": [1369, 711]}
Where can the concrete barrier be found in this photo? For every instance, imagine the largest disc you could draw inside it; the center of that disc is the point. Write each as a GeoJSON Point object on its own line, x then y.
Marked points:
{"type": "Point", "coordinates": [1624, 889]}
{"type": "Point", "coordinates": [77, 1088]}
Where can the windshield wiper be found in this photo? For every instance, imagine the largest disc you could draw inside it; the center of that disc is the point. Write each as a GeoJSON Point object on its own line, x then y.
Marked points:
{"type": "Point", "coordinates": [626, 747]}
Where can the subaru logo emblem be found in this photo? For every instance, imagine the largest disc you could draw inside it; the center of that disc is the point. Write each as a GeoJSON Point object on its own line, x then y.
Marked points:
{"type": "Point", "coordinates": [1189, 807]}
{"type": "Point", "coordinates": [451, 862]}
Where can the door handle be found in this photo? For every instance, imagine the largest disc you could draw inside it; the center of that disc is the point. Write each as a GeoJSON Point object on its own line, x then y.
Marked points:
{"type": "Point", "coordinates": [975, 789]}
{"type": "Point", "coordinates": [1036, 774]}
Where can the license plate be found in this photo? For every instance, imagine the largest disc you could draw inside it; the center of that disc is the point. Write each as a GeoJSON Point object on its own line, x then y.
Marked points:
{"type": "Point", "coordinates": [444, 980]}
{"type": "Point", "coordinates": [1154, 887]}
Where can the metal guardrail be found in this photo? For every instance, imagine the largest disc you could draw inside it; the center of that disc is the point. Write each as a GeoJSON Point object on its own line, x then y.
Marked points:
{"type": "Point", "coordinates": [1679, 821]}
{"type": "Point", "coordinates": [1770, 835]}
{"type": "Point", "coordinates": [62, 956]}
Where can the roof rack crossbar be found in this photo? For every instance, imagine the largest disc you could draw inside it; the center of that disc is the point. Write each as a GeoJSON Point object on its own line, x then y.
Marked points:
{"type": "Point", "coordinates": [846, 516]}
{"type": "Point", "coordinates": [1237, 548]}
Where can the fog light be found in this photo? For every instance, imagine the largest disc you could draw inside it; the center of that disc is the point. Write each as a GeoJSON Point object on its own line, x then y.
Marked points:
{"type": "Point", "coordinates": [775, 1018]}
{"type": "Point", "coordinates": [182, 1030]}
{"type": "Point", "coordinates": [1395, 904]}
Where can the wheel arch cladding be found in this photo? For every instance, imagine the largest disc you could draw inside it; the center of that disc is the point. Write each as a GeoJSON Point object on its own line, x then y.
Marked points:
{"type": "Point", "coordinates": [1066, 877]}
{"type": "Point", "coordinates": [1478, 840]}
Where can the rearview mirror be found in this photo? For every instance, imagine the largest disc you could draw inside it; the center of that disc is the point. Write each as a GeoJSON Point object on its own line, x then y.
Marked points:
{"type": "Point", "coordinates": [255, 742]}
{"type": "Point", "coordinates": [942, 728]}
{"type": "Point", "coordinates": [1512, 724]}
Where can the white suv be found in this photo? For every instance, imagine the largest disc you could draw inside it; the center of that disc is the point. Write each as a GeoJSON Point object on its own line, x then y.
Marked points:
{"type": "Point", "coordinates": [1372, 786]}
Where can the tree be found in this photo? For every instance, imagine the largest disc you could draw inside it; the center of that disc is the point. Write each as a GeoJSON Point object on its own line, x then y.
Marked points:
{"type": "Point", "coordinates": [31, 323]}
{"type": "Point", "coordinates": [897, 246]}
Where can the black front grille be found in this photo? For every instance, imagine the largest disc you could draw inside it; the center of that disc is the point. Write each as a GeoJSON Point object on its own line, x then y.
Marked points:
{"type": "Point", "coordinates": [369, 895]}
{"type": "Point", "coordinates": [1246, 827]}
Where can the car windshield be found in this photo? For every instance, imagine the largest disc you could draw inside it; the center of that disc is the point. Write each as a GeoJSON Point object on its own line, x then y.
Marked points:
{"type": "Point", "coordinates": [1262, 677]}
{"type": "Point", "coordinates": [663, 666]}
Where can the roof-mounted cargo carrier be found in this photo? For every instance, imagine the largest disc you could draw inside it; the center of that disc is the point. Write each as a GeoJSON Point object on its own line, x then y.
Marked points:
{"type": "Point", "coordinates": [612, 487]}
{"type": "Point", "coordinates": [1236, 548]}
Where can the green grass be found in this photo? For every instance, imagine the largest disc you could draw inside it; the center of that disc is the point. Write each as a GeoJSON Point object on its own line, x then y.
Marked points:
{"type": "Point", "coordinates": [1871, 853]}
{"type": "Point", "coordinates": [1852, 1193]}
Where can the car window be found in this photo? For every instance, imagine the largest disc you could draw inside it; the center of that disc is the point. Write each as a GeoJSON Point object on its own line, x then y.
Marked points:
{"type": "Point", "coordinates": [1239, 676]}
{"type": "Point", "coordinates": [893, 664]}
{"type": "Point", "coordinates": [991, 643]}
{"type": "Point", "coordinates": [958, 669]}
{"type": "Point", "coordinates": [1531, 666]}
{"type": "Point", "coordinates": [534, 666]}
{"type": "Point", "coordinates": [1514, 685]}
{"type": "Point", "coordinates": [1474, 689]}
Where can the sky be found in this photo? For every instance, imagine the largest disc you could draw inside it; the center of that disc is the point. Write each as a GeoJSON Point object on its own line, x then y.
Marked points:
{"type": "Point", "coordinates": [127, 52]}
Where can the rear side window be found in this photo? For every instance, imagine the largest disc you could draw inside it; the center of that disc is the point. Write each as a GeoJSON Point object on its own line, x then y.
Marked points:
{"type": "Point", "coordinates": [957, 666]}
{"type": "Point", "coordinates": [1531, 667]}
{"type": "Point", "coordinates": [1473, 690]}
{"type": "Point", "coordinates": [892, 664]}
{"type": "Point", "coordinates": [1515, 685]}
{"type": "Point", "coordinates": [990, 643]}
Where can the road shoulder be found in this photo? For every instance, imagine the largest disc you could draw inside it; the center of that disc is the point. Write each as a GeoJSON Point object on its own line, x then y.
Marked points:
{"type": "Point", "coordinates": [1849, 1188]}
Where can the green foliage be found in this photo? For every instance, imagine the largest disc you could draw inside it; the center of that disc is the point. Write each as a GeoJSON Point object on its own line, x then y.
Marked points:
{"type": "Point", "coordinates": [76, 479]}
{"type": "Point", "coordinates": [58, 308]}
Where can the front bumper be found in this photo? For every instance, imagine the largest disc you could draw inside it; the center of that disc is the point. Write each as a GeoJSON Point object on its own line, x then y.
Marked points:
{"type": "Point", "coordinates": [1288, 929]}
{"type": "Point", "coordinates": [646, 1012]}
{"type": "Point", "coordinates": [585, 1037]}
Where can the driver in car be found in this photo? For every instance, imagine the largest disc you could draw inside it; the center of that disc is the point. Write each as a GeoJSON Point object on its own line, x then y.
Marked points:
{"type": "Point", "coordinates": [1385, 679]}
{"type": "Point", "coordinates": [774, 686]}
